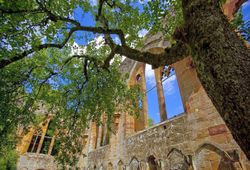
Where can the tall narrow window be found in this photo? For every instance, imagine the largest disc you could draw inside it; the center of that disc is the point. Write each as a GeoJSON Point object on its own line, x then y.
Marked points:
{"type": "Point", "coordinates": [152, 98]}
{"type": "Point", "coordinates": [35, 141]}
{"type": "Point", "coordinates": [172, 95]}
{"type": "Point", "coordinates": [120, 165]}
{"type": "Point", "coordinates": [48, 137]}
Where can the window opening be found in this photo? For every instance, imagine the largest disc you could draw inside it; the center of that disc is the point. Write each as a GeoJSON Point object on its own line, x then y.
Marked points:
{"type": "Point", "coordinates": [35, 141]}
{"type": "Point", "coordinates": [152, 163]}
{"type": "Point", "coordinates": [138, 78]}
{"type": "Point", "coordinates": [173, 102]}
{"type": "Point", "coordinates": [152, 97]}
{"type": "Point", "coordinates": [48, 137]}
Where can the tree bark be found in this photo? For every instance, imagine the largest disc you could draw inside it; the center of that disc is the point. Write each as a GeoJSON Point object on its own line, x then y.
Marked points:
{"type": "Point", "coordinates": [222, 62]}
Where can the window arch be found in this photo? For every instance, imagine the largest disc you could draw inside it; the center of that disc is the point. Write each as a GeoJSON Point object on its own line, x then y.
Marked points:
{"type": "Point", "coordinates": [134, 164]}
{"type": "Point", "coordinates": [50, 132]}
{"type": "Point", "coordinates": [120, 165]}
{"type": "Point", "coordinates": [110, 166]}
{"type": "Point", "coordinates": [152, 163]}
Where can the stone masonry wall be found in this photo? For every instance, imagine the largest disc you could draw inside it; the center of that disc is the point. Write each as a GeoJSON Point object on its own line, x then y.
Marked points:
{"type": "Point", "coordinates": [197, 139]}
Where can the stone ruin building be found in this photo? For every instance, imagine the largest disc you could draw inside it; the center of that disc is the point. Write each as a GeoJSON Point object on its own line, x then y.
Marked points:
{"type": "Point", "coordinates": [197, 139]}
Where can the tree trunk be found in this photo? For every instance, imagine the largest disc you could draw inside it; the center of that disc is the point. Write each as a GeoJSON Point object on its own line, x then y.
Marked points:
{"type": "Point", "coordinates": [222, 62]}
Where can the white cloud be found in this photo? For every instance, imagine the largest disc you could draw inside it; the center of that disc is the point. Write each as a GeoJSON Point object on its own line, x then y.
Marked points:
{"type": "Point", "coordinates": [99, 41]}
{"type": "Point", "coordinates": [168, 85]}
{"type": "Point", "coordinates": [117, 40]}
{"type": "Point", "coordinates": [246, 4]}
{"type": "Point", "coordinates": [150, 76]}
{"type": "Point", "coordinates": [93, 2]}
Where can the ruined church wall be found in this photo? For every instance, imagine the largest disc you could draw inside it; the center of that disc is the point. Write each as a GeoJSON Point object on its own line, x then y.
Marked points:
{"type": "Point", "coordinates": [197, 139]}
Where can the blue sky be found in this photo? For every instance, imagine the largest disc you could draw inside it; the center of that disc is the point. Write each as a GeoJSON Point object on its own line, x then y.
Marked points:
{"type": "Point", "coordinates": [88, 20]}
{"type": "Point", "coordinates": [173, 101]}
{"type": "Point", "coordinates": [246, 11]}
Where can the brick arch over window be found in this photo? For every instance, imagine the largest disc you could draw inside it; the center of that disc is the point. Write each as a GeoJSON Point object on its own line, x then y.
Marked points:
{"type": "Point", "coordinates": [211, 157]}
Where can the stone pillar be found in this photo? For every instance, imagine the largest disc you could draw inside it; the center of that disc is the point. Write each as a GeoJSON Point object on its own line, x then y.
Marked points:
{"type": "Point", "coordinates": [99, 137]}
{"type": "Point", "coordinates": [92, 136]}
{"type": "Point", "coordinates": [160, 94]}
{"type": "Point", "coordinates": [51, 144]}
{"type": "Point", "coordinates": [44, 129]}
{"type": "Point", "coordinates": [129, 124]}
{"type": "Point", "coordinates": [187, 80]}
{"type": "Point", "coordinates": [144, 100]}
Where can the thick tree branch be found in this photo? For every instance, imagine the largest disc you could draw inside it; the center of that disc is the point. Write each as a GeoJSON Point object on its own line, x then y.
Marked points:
{"type": "Point", "coordinates": [170, 55]}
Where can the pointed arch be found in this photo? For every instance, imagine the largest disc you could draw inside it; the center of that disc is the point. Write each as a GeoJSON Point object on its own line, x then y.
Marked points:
{"type": "Point", "coordinates": [120, 165]}
{"type": "Point", "coordinates": [134, 164]}
{"type": "Point", "coordinates": [152, 163]}
{"type": "Point", "coordinates": [177, 160]}
{"type": "Point", "coordinates": [110, 166]}
{"type": "Point", "coordinates": [208, 153]}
